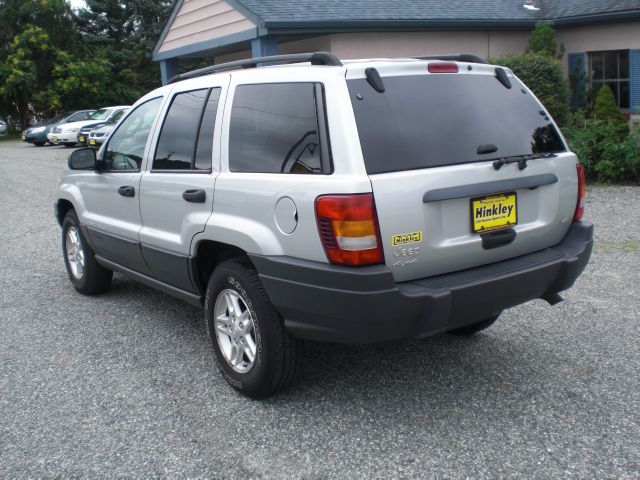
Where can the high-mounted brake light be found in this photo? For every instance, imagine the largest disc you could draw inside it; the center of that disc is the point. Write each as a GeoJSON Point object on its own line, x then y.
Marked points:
{"type": "Point", "coordinates": [348, 227]}
{"type": "Point", "coordinates": [443, 67]}
{"type": "Point", "coordinates": [582, 193]}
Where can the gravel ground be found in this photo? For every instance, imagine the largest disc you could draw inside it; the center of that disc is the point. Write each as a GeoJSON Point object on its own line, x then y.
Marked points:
{"type": "Point", "coordinates": [125, 384]}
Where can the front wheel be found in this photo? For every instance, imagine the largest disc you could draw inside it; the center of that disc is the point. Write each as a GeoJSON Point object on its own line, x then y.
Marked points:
{"type": "Point", "coordinates": [69, 145]}
{"type": "Point", "coordinates": [474, 327]}
{"type": "Point", "coordinates": [38, 144]}
{"type": "Point", "coordinates": [85, 273]}
{"type": "Point", "coordinates": [255, 353]}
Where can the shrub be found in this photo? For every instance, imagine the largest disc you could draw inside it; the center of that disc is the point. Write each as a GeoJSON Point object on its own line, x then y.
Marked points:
{"type": "Point", "coordinates": [545, 77]}
{"type": "Point", "coordinates": [605, 148]}
{"type": "Point", "coordinates": [543, 41]}
{"type": "Point", "coordinates": [606, 108]}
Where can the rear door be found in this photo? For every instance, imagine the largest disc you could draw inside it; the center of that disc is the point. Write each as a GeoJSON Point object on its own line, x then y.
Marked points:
{"type": "Point", "coordinates": [429, 143]}
{"type": "Point", "coordinates": [176, 197]}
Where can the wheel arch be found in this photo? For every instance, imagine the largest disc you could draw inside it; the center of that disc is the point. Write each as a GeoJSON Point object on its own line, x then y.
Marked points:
{"type": "Point", "coordinates": [208, 254]}
{"type": "Point", "coordinates": [62, 207]}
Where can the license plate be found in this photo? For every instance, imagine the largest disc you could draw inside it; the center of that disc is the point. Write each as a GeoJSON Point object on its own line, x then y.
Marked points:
{"type": "Point", "coordinates": [81, 139]}
{"type": "Point", "coordinates": [494, 212]}
{"type": "Point", "coordinates": [92, 142]}
{"type": "Point", "coordinates": [54, 139]}
{"type": "Point", "coordinates": [24, 137]}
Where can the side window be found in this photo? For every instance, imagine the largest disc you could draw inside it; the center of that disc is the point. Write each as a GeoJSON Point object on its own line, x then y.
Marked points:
{"type": "Point", "coordinates": [204, 148]}
{"type": "Point", "coordinates": [117, 116]}
{"type": "Point", "coordinates": [126, 146]}
{"type": "Point", "coordinates": [186, 138]}
{"type": "Point", "coordinates": [274, 129]}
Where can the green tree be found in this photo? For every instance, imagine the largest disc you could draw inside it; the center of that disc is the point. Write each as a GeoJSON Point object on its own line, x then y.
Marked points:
{"type": "Point", "coordinates": [55, 17]}
{"type": "Point", "coordinates": [125, 33]}
{"type": "Point", "coordinates": [25, 74]}
{"type": "Point", "coordinates": [78, 83]}
{"type": "Point", "coordinates": [606, 108]}
{"type": "Point", "coordinates": [543, 41]}
{"type": "Point", "coordinates": [545, 77]}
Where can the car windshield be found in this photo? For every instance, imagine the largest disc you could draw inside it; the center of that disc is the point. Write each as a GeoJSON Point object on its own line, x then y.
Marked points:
{"type": "Point", "coordinates": [58, 118]}
{"type": "Point", "coordinates": [423, 121]}
{"type": "Point", "coordinates": [78, 116]}
{"type": "Point", "coordinates": [101, 114]}
{"type": "Point", "coordinates": [118, 116]}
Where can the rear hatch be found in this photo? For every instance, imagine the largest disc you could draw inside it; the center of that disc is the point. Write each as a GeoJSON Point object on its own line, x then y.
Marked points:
{"type": "Point", "coordinates": [430, 143]}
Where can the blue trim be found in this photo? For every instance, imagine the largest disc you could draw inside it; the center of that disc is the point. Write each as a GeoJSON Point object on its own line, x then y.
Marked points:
{"type": "Point", "coordinates": [634, 77]}
{"type": "Point", "coordinates": [207, 45]}
{"type": "Point", "coordinates": [167, 25]}
{"type": "Point", "coordinates": [332, 26]}
{"type": "Point", "coordinates": [577, 71]}
{"type": "Point", "coordinates": [168, 68]}
{"type": "Point", "coordinates": [264, 47]}
{"type": "Point", "coordinates": [603, 17]}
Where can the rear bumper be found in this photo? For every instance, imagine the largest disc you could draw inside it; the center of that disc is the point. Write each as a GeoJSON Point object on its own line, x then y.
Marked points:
{"type": "Point", "coordinates": [325, 302]}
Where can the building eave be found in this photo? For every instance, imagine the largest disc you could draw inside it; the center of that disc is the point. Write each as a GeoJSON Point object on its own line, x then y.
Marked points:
{"type": "Point", "coordinates": [613, 17]}
{"type": "Point", "coordinates": [207, 46]}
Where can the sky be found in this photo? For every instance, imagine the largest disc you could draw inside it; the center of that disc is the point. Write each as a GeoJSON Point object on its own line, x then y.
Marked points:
{"type": "Point", "coordinates": [77, 3]}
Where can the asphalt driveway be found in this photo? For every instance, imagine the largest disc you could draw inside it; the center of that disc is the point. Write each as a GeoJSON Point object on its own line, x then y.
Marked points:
{"type": "Point", "coordinates": [125, 384]}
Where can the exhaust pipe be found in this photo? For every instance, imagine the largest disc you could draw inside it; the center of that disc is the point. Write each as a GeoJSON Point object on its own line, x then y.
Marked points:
{"type": "Point", "coordinates": [552, 298]}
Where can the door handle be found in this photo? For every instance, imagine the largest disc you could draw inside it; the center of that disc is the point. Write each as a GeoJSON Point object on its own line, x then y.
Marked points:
{"type": "Point", "coordinates": [195, 196]}
{"type": "Point", "coordinates": [498, 238]}
{"type": "Point", "coordinates": [127, 191]}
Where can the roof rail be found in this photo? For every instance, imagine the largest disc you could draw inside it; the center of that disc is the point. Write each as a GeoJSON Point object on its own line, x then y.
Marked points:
{"type": "Point", "coordinates": [316, 58]}
{"type": "Point", "coordinates": [464, 57]}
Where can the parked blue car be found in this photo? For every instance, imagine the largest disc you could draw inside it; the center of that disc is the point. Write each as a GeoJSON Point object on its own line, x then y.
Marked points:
{"type": "Point", "coordinates": [38, 133]}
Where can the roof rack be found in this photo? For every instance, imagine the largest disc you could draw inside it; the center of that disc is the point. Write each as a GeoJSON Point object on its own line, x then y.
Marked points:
{"type": "Point", "coordinates": [465, 57]}
{"type": "Point", "coordinates": [316, 58]}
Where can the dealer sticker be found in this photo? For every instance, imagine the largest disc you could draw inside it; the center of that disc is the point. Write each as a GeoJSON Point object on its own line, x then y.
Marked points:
{"type": "Point", "coordinates": [406, 238]}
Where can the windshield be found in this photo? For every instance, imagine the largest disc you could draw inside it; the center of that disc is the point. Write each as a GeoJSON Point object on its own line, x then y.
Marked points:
{"type": "Point", "coordinates": [118, 115]}
{"type": "Point", "coordinates": [423, 121]}
{"type": "Point", "coordinates": [59, 117]}
{"type": "Point", "coordinates": [101, 114]}
{"type": "Point", "coordinates": [78, 116]}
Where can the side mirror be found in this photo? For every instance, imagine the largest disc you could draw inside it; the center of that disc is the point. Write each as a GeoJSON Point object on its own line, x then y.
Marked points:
{"type": "Point", "coordinates": [83, 159]}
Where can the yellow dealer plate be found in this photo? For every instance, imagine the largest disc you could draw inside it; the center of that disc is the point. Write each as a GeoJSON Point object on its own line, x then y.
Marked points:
{"type": "Point", "coordinates": [494, 212]}
{"type": "Point", "coordinates": [81, 139]}
{"type": "Point", "coordinates": [24, 137]}
{"type": "Point", "coordinates": [92, 142]}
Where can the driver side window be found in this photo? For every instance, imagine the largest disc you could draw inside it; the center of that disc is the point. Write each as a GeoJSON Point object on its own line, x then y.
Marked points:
{"type": "Point", "coordinates": [126, 146]}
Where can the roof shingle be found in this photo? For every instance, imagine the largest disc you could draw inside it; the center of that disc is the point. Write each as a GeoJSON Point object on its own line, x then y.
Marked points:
{"type": "Point", "coordinates": [354, 11]}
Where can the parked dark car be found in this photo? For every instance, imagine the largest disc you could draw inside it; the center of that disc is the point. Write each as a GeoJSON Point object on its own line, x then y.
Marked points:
{"type": "Point", "coordinates": [37, 134]}
{"type": "Point", "coordinates": [83, 134]}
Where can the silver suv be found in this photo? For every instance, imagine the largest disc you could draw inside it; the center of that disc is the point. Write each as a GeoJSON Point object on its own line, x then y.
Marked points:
{"type": "Point", "coordinates": [358, 202]}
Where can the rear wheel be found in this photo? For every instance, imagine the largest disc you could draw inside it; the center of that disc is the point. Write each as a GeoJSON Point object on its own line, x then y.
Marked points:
{"type": "Point", "coordinates": [69, 145]}
{"type": "Point", "coordinates": [85, 273]}
{"type": "Point", "coordinates": [255, 353]}
{"type": "Point", "coordinates": [38, 144]}
{"type": "Point", "coordinates": [474, 327]}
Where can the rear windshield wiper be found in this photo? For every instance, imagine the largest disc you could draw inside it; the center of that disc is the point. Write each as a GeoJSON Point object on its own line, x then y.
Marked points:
{"type": "Point", "coordinates": [521, 160]}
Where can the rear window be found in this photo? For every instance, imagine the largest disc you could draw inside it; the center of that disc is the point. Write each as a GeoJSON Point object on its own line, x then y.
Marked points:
{"type": "Point", "coordinates": [423, 121]}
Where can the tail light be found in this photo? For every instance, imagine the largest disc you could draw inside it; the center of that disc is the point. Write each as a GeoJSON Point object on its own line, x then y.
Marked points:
{"type": "Point", "coordinates": [348, 228]}
{"type": "Point", "coordinates": [443, 67]}
{"type": "Point", "coordinates": [582, 193]}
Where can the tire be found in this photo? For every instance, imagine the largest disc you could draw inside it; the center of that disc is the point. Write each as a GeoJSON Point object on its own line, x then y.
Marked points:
{"type": "Point", "coordinates": [69, 145]}
{"type": "Point", "coordinates": [275, 353]}
{"type": "Point", "coordinates": [474, 328]}
{"type": "Point", "coordinates": [92, 278]}
{"type": "Point", "coordinates": [38, 144]}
